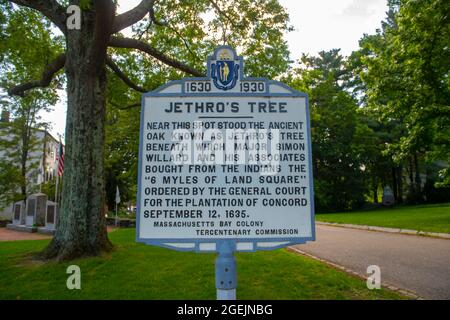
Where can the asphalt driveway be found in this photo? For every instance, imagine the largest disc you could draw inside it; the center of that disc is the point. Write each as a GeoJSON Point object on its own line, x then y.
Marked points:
{"type": "Point", "coordinates": [416, 263]}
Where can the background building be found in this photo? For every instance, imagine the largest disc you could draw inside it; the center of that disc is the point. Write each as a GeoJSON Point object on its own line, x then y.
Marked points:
{"type": "Point", "coordinates": [43, 154]}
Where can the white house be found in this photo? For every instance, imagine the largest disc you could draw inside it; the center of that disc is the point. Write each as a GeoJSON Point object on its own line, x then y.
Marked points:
{"type": "Point", "coordinates": [45, 154]}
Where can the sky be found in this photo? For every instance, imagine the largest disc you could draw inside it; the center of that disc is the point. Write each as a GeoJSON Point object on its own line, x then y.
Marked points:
{"type": "Point", "coordinates": [318, 25]}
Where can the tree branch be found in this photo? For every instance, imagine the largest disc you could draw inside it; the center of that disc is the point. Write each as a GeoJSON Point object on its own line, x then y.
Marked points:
{"type": "Point", "coordinates": [153, 17]}
{"type": "Point", "coordinates": [133, 105]}
{"type": "Point", "coordinates": [142, 46]}
{"type": "Point", "coordinates": [49, 8]}
{"type": "Point", "coordinates": [222, 13]}
{"type": "Point", "coordinates": [135, 15]}
{"type": "Point", "coordinates": [132, 16]}
{"type": "Point", "coordinates": [114, 67]}
{"type": "Point", "coordinates": [104, 11]}
{"type": "Point", "coordinates": [47, 76]}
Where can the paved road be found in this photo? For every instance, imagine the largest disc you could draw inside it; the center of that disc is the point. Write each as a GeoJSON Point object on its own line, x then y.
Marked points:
{"type": "Point", "coordinates": [419, 264]}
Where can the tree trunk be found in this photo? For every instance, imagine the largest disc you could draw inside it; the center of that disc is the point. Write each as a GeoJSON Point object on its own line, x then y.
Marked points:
{"type": "Point", "coordinates": [411, 192]}
{"type": "Point", "coordinates": [375, 190]}
{"type": "Point", "coordinates": [417, 178]}
{"type": "Point", "coordinates": [394, 184]}
{"type": "Point", "coordinates": [23, 164]}
{"type": "Point", "coordinates": [400, 183]}
{"type": "Point", "coordinates": [81, 229]}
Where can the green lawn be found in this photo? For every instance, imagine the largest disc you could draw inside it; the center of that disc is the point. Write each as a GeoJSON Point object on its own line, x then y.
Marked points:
{"type": "Point", "coordinates": [431, 218]}
{"type": "Point", "coordinates": [137, 271]}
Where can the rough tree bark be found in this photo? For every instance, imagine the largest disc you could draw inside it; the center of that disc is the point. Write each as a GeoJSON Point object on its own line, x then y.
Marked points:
{"type": "Point", "coordinates": [82, 229]}
{"type": "Point", "coordinates": [400, 183]}
{"type": "Point", "coordinates": [394, 183]}
{"type": "Point", "coordinates": [27, 132]}
{"type": "Point", "coordinates": [411, 198]}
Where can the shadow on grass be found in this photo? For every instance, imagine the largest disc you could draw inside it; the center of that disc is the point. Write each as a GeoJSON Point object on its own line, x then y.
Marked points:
{"type": "Point", "coordinates": [137, 271]}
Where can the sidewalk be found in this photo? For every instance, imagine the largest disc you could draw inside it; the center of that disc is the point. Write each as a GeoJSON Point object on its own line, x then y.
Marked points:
{"type": "Point", "coordinates": [414, 263]}
{"type": "Point", "coordinates": [12, 235]}
{"type": "Point", "coordinates": [384, 229]}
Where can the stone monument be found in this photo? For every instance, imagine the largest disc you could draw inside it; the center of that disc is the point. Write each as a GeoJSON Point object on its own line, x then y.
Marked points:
{"type": "Point", "coordinates": [51, 218]}
{"type": "Point", "coordinates": [36, 210]}
{"type": "Point", "coordinates": [39, 215]}
{"type": "Point", "coordinates": [388, 197]}
{"type": "Point", "coordinates": [18, 213]}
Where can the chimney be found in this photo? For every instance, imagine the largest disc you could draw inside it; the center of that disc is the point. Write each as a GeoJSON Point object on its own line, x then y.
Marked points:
{"type": "Point", "coordinates": [5, 116]}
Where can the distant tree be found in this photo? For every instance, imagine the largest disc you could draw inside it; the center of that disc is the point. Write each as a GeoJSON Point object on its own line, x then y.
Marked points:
{"type": "Point", "coordinates": [264, 48]}
{"type": "Point", "coordinates": [19, 140]}
{"type": "Point", "coordinates": [379, 132]}
{"type": "Point", "coordinates": [405, 74]}
{"type": "Point", "coordinates": [20, 146]}
{"type": "Point", "coordinates": [337, 133]}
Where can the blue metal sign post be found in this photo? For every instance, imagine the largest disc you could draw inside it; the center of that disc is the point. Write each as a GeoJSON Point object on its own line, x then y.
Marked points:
{"type": "Point", "coordinates": [231, 206]}
{"type": "Point", "coordinates": [226, 272]}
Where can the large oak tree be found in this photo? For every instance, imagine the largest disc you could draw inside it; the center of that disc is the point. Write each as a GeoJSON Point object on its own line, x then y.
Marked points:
{"type": "Point", "coordinates": [159, 29]}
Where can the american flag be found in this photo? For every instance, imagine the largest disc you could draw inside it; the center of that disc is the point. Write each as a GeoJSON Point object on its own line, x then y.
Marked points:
{"type": "Point", "coordinates": [60, 159]}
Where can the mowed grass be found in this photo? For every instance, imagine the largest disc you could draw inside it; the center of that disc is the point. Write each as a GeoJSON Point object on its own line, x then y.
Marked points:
{"type": "Point", "coordinates": [431, 218]}
{"type": "Point", "coordinates": [137, 271]}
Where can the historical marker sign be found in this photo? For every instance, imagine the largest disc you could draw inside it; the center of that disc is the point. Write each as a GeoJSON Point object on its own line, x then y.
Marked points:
{"type": "Point", "coordinates": [225, 159]}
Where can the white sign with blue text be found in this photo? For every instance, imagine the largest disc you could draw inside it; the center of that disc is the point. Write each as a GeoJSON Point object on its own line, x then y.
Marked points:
{"type": "Point", "coordinates": [225, 158]}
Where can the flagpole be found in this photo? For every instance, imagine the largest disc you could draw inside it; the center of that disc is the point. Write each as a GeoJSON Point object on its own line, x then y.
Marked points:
{"type": "Point", "coordinates": [117, 200]}
{"type": "Point", "coordinates": [56, 188]}
{"type": "Point", "coordinates": [58, 169]}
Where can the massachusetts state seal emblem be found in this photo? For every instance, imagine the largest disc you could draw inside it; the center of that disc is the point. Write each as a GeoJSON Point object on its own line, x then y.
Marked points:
{"type": "Point", "coordinates": [224, 71]}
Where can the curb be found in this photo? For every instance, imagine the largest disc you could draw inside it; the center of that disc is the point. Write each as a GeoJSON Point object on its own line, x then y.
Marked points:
{"type": "Point", "coordinates": [408, 293]}
{"type": "Point", "coordinates": [388, 230]}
